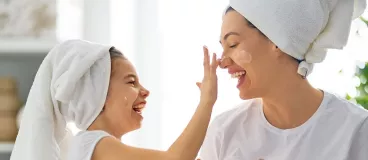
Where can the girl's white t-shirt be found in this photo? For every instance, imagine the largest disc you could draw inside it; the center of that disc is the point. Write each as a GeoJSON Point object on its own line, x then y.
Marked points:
{"type": "Point", "coordinates": [84, 143]}
{"type": "Point", "coordinates": [337, 131]}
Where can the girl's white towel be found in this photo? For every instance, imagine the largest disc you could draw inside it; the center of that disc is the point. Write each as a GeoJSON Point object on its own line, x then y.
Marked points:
{"type": "Point", "coordinates": [70, 85]}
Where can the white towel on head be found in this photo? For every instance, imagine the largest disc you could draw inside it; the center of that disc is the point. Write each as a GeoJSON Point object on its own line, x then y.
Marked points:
{"type": "Point", "coordinates": [304, 29]}
{"type": "Point", "coordinates": [70, 85]}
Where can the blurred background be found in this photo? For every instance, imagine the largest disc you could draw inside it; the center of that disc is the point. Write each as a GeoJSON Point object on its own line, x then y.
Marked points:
{"type": "Point", "coordinates": [163, 39]}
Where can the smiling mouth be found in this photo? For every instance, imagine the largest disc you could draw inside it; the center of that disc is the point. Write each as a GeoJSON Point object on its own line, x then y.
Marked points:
{"type": "Point", "coordinates": [139, 108]}
{"type": "Point", "coordinates": [238, 74]}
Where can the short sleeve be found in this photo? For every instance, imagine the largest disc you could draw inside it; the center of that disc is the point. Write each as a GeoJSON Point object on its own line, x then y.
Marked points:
{"type": "Point", "coordinates": [359, 146]}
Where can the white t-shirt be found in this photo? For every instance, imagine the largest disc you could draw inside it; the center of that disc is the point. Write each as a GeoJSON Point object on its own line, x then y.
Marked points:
{"type": "Point", "coordinates": [337, 131]}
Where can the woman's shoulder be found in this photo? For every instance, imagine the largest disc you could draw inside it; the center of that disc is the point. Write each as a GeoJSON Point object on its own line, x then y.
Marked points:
{"type": "Point", "coordinates": [83, 144]}
{"type": "Point", "coordinates": [338, 105]}
{"type": "Point", "coordinates": [343, 114]}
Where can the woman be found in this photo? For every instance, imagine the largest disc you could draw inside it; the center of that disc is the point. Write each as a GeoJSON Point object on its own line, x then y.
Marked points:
{"type": "Point", "coordinates": [270, 46]}
{"type": "Point", "coordinates": [98, 89]}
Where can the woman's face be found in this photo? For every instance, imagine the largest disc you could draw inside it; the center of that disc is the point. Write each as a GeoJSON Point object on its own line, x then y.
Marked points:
{"type": "Point", "coordinates": [259, 73]}
{"type": "Point", "coordinates": [125, 99]}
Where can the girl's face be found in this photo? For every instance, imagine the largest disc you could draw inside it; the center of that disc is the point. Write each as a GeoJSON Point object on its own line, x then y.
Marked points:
{"type": "Point", "coordinates": [126, 98]}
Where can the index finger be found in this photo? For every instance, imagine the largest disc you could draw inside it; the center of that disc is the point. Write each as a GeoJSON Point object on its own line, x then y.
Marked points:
{"type": "Point", "coordinates": [214, 63]}
{"type": "Point", "coordinates": [206, 61]}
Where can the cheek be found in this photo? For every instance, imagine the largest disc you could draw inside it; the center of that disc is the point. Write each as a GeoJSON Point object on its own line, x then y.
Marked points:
{"type": "Point", "coordinates": [127, 97]}
{"type": "Point", "coordinates": [131, 95]}
{"type": "Point", "coordinates": [258, 58]}
{"type": "Point", "coordinates": [257, 70]}
{"type": "Point", "coordinates": [262, 73]}
{"type": "Point", "coordinates": [121, 108]}
{"type": "Point", "coordinates": [121, 96]}
{"type": "Point", "coordinates": [256, 45]}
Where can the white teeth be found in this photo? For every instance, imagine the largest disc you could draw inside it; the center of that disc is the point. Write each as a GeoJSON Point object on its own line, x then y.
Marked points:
{"type": "Point", "coordinates": [140, 106]}
{"type": "Point", "coordinates": [237, 74]}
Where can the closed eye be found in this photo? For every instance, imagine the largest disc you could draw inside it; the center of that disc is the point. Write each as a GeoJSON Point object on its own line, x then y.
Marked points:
{"type": "Point", "coordinates": [233, 46]}
{"type": "Point", "coordinates": [131, 82]}
{"type": "Point", "coordinates": [131, 79]}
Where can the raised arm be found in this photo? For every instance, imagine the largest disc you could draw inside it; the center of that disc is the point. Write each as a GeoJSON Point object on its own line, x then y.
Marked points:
{"type": "Point", "coordinates": [186, 147]}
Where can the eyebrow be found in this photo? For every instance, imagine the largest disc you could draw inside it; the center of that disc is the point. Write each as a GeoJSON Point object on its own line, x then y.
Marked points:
{"type": "Point", "coordinates": [227, 35]}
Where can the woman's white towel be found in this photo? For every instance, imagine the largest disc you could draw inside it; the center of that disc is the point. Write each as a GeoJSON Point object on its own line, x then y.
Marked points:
{"type": "Point", "coordinates": [304, 29]}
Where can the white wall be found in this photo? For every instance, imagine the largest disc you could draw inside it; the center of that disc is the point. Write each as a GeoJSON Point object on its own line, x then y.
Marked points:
{"type": "Point", "coordinates": [97, 21]}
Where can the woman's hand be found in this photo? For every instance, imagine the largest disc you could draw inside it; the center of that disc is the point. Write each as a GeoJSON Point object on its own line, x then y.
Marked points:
{"type": "Point", "coordinates": [208, 86]}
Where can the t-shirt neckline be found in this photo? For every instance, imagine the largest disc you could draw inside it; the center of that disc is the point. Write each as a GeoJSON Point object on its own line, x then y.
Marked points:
{"type": "Point", "coordinates": [309, 122]}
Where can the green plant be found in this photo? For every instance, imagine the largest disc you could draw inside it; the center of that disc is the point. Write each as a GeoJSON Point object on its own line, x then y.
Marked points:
{"type": "Point", "coordinates": [362, 89]}
{"type": "Point", "coordinates": [364, 20]}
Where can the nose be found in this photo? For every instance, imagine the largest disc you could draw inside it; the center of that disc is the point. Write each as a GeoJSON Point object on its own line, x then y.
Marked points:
{"type": "Point", "coordinates": [144, 92]}
{"type": "Point", "coordinates": [226, 62]}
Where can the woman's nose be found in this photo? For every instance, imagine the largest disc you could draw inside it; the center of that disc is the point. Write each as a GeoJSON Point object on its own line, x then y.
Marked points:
{"type": "Point", "coordinates": [225, 62]}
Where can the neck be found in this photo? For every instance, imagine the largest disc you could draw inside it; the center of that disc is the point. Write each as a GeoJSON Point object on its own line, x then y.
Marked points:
{"type": "Point", "coordinates": [291, 103]}
{"type": "Point", "coordinates": [102, 124]}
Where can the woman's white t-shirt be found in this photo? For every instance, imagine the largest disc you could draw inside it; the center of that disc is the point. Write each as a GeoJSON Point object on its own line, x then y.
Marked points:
{"type": "Point", "coordinates": [337, 131]}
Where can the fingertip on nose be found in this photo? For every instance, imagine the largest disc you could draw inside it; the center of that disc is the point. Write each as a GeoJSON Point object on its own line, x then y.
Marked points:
{"type": "Point", "coordinates": [225, 62]}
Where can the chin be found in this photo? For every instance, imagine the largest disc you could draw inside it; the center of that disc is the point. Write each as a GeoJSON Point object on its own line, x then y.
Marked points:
{"type": "Point", "coordinates": [246, 94]}
{"type": "Point", "coordinates": [137, 126]}
{"type": "Point", "coordinates": [245, 97]}
{"type": "Point", "coordinates": [127, 129]}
